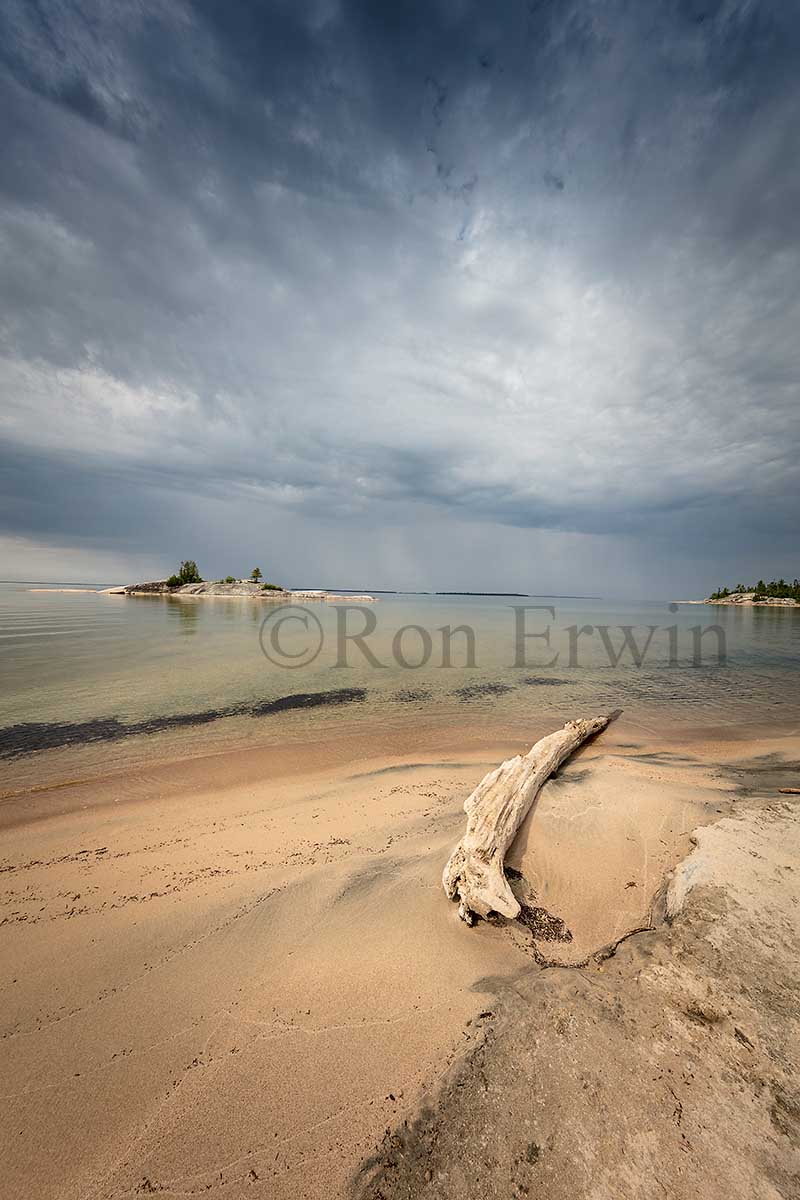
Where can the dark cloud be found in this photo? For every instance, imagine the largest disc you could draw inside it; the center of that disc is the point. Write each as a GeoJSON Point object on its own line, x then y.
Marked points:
{"type": "Point", "coordinates": [356, 264]}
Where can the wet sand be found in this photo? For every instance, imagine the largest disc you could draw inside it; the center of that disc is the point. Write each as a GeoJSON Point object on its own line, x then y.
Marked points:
{"type": "Point", "coordinates": [232, 975]}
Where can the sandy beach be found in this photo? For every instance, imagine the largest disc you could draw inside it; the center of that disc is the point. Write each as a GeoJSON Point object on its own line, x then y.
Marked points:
{"type": "Point", "coordinates": [239, 975]}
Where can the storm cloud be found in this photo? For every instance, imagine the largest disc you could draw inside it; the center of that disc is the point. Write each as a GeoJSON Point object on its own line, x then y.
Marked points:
{"type": "Point", "coordinates": [425, 294]}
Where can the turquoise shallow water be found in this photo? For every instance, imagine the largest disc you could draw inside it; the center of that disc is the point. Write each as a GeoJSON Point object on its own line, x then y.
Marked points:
{"type": "Point", "coordinates": [118, 680]}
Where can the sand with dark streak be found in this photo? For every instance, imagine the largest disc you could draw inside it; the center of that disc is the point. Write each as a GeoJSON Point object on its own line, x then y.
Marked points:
{"type": "Point", "coordinates": [230, 979]}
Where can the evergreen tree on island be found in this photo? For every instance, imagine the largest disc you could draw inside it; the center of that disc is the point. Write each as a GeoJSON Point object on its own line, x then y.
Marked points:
{"type": "Point", "coordinates": [777, 589]}
{"type": "Point", "coordinates": [187, 573]}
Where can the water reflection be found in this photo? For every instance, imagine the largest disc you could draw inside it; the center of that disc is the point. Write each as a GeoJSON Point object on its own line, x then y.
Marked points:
{"type": "Point", "coordinates": [185, 613]}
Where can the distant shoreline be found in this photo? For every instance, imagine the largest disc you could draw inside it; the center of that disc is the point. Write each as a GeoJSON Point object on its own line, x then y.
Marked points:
{"type": "Point", "coordinates": [519, 595]}
{"type": "Point", "coordinates": [746, 600]}
{"type": "Point", "coordinates": [201, 591]}
{"type": "Point", "coordinates": [160, 588]}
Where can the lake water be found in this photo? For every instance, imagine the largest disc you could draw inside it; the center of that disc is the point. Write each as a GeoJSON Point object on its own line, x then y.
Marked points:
{"type": "Point", "coordinates": [93, 683]}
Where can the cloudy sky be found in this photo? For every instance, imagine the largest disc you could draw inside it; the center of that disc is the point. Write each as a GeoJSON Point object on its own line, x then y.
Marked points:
{"type": "Point", "coordinates": [385, 293]}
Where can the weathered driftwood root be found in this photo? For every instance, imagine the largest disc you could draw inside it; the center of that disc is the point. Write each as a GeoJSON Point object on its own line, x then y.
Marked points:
{"type": "Point", "coordinates": [495, 810]}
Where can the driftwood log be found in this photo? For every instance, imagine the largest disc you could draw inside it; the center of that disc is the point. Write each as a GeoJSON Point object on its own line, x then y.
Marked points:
{"type": "Point", "coordinates": [474, 874]}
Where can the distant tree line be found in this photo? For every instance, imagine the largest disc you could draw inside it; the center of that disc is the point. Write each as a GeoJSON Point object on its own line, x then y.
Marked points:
{"type": "Point", "coordinates": [778, 589]}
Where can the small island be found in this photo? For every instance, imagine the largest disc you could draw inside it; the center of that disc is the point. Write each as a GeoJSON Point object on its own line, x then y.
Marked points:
{"type": "Point", "coordinates": [188, 583]}
{"type": "Point", "coordinates": [777, 594]}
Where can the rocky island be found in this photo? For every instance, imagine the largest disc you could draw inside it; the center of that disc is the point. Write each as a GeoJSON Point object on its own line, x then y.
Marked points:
{"type": "Point", "coordinates": [753, 598]}
{"type": "Point", "coordinates": [188, 583]}
{"type": "Point", "coordinates": [238, 587]}
{"type": "Point", "coordinates": [778, 594]}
